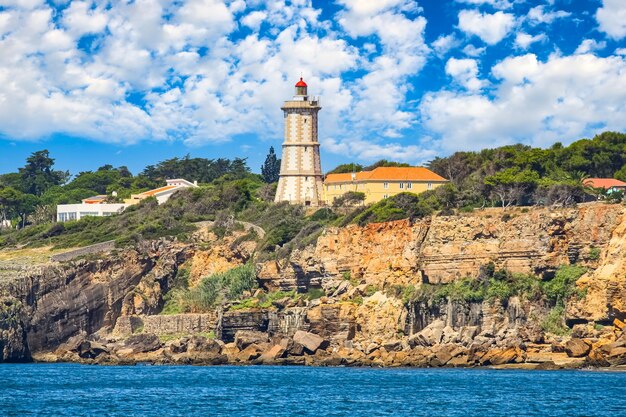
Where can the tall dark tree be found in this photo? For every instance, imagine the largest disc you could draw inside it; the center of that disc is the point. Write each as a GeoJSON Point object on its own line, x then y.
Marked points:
{"type": "Point", "coordinates": [270, 170]}
{"type": "Point", "coordinates": [37, 176]}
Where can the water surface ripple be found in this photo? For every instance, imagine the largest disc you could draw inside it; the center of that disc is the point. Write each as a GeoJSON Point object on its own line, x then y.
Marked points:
{"type": "Point", "coordinates": [78, 390]}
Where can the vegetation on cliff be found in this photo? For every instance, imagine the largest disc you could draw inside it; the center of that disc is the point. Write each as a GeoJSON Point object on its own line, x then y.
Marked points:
{"type": "Point", "coordinates": [510, 175]}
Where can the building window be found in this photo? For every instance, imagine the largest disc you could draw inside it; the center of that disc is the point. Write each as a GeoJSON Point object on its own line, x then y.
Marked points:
{"type": "Point", "coordinates": [335, 186]}
{"type": "Point", "coordinates": [62, 217]}
{"type": "Point", "coordinates": [430, 185]}
{"type": "Point", "coordinates": [409, 185]}
{"type": "Point", "coordinates": [386, 196]}
{"type": "Point", "coordinates": [385, 186]}
{"type": "Point", "coordinates": [401, 185]}
{"type": "Point", "coordinates": [71, 216]}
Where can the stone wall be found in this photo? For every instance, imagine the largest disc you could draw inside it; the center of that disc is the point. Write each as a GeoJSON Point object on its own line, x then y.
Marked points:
{"type": "Point", "coordinates": [167, 324]}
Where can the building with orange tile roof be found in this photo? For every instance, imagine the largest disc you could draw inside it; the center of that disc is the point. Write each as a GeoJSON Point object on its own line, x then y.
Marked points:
{"type": "Point", "coordinates": [162, 194]}
{"type": "Point", "coordinates": [608, 184]}
{"type": "Point", "coordinates": [382, 182]}
{"type": "Point", "coordinates": [98, 207]}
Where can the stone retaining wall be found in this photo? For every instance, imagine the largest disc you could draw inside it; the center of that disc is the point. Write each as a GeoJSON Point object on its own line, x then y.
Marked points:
{"type": "Point", "coordinates": [166, 324]}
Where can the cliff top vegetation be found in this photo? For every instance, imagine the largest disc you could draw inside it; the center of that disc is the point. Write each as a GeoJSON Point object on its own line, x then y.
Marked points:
{"type": "Point", "coordinates": [507, 176]}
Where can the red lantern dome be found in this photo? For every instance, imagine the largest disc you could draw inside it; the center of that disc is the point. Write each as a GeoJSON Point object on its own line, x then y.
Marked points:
{"type": "Point", "coordinates": [301, 83]}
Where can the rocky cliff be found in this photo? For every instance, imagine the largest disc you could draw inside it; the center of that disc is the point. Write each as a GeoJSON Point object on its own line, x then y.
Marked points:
{"type": "Point", "coordinates": [374, 308]}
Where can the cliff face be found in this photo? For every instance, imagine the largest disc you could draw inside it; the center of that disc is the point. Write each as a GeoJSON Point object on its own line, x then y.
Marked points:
{"type": "Point", "coordinates": [444, 249]}
{"type": "Point", "coordinates": [78, 304]}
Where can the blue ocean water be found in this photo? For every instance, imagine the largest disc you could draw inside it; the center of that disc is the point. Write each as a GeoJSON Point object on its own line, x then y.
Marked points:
{"type": "Point", "coordinates": [78, 390]}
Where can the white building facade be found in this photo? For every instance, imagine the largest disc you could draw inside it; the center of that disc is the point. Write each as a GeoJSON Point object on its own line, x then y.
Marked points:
{"type": "Point", "coordinates": [69, 212]}
{"type": "Point", "coordinates": [96, 206]}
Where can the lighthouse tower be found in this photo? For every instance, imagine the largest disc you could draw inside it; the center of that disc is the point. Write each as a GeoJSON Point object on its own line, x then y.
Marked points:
{"type": "Point", "coordinates": [300, 179]}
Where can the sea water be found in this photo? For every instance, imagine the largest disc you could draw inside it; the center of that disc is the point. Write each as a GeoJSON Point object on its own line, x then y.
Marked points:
{"type": "Point", "coordinates": [79, 390]}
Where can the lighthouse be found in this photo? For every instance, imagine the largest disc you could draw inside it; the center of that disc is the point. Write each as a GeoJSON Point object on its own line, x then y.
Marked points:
{"type": "Point", "coordinates": [300, 180]}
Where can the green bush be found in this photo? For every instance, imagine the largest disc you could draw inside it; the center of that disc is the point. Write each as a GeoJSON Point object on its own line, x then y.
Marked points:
{"type": "Point", "coordinates": [214, 290]}
{"type": "Point", "coordinates": [594, 253]}
{"type": "Point", "coordinates": [562, 286]}
{"type": "Point", "coordinates": [554, 322]}
{"type": "Point", "coordinates": [315, 293]}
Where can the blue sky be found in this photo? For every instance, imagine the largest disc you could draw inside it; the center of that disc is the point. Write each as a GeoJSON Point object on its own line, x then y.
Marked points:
{"type": "Point", "coordinates": [135, 82]}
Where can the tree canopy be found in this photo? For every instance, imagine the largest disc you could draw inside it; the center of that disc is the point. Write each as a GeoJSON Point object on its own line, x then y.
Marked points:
{"type": "Point", "coordinates": [270, 170]}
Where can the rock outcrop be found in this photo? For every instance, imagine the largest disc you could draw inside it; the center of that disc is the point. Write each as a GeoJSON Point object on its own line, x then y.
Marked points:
{"type": "Point", "coordinates": [107, 311]}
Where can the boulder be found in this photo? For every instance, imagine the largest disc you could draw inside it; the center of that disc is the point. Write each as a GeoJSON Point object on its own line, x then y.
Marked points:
{"type": "Point", "coordinates": [245, 338]}
{"type": "Point", "coordinates": [429, 336]}
{"type": "Point", "coordinates": [91, 350]}
{"type": "Point", "coordinates": [577, 348]}
{"type": "Point", "coordinates": [203, 344]}
{"type": "Point", "coordinates": [310, 341]}
{"type": "Point", "coordinates": [275, 352]}
{"type": "Point", "coordinates": [249, 353]}
{"type": "Point", "coordinates": [295, 349]}
{"type": "Point", "coordinates": [617, 356]}
{"type": "Point", "coordinates": [143, 342]}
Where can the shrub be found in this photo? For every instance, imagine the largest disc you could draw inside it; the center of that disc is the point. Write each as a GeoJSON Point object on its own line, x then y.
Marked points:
{"type": "Point", "coordinates": [214, 290]}
{"type": "Point", "coordinates": [554, 322]}
{"type": "Point", "coordinates": [562, 286]}
{"type": "Point", "coordinates": [594, 253]}
{"type": "Point", "coordinates": [315, 293]}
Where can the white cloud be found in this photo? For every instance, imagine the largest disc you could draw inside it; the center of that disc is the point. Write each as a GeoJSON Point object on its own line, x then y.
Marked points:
{"type": "Point", "coordinates": [254, 19]}
{"type": "Point", "coordinates": [444, 43]}
{"type": "Point", "coordinates": [620, 51]}
{"type": "Point", "coordinates": [590, 45]}
{"type": "Point", "coordinates": [465, 73]}
{"type": "Point", "coordinates": [524, 40]}
{"type": "Point", "coordinates": [471, 50]}
{"type": "Point", "coordinates": [612, 18]}
{"type": "Point", "coordinates": [491, 28]}
{"type": "Point", "coordinates": [537, 15]}
{"type": "Point", "coordinates": [498, 4]}
{"type": "Point", "coordinates": [536, 103]}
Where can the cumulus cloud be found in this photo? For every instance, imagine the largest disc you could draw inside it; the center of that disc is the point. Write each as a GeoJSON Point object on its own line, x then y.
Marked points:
{"type": "Point", "coordinates": [590, 45]}
{"type": "Point", "coordinates": [166, 70]}
{"type": "Point", "coordinates": [524, 40]}
{"type": "Point", "coordinates": [465, 73]}
{"type": "Point", "coordinates": [538, 15]}
{"type": "Point", "coordinates": [491, 28]}
{"type": "Point", "coordinates": [537, 103]}
{"type": "Point", "coordinates": [498, 4]}
{"type": "Point", "coordinates": [612, 18]}
{"type": "Point", "coordinates": [444, 43]}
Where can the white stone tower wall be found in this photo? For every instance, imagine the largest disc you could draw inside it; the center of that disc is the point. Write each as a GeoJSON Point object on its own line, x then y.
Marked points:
{"type": "Point", "coordinates": [301, 171]}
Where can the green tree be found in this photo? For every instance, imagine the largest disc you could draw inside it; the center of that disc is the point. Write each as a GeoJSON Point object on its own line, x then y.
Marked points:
{"type": "Point", "coordinates": [270, 170]}
{"type": "Point", "coordinates": [37, 175]}
{"type": "Point", "coordinates": [346, 168]}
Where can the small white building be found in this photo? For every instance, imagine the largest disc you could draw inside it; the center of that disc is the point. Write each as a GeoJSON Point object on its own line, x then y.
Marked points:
{"type": "Point", "coordinates": [162, 194]}
{"type": "Point", "coordinates": [96, 205]}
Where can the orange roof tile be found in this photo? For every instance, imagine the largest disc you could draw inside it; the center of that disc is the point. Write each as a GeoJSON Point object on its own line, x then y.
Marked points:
{"type": "Point", "coordinates": [605, 183]}
{"type": "Point", "coordinates": [151, 193]}
{"type": "Point", "coordinates": [96, 199]}
{"type": "Point", "coordinates": [346, 177]}
{"type": "Point", "coordinates": [389, 174]}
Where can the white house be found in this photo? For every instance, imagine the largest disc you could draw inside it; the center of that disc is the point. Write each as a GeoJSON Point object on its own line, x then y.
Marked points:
{"type": "Point", "coordinates": [97, 206]}
{"type": "Point", "coordinates": [67, 212]}
{"type": "Point", "coordinates": [162, 194]}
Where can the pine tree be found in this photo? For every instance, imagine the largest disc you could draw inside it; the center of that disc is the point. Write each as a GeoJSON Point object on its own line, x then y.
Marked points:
{"type": "Point", "coordinates": [271, 168]}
